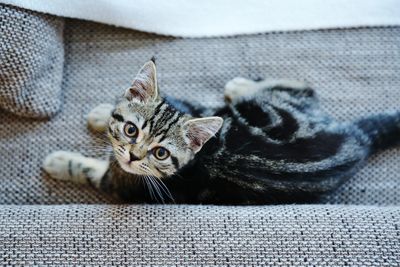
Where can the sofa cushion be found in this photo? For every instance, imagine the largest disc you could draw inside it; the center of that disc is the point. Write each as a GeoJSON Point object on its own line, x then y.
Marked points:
{"type": "Point", "coordinates": [180, 235]}
{"type": "Point", "coordinates": [31, 62]}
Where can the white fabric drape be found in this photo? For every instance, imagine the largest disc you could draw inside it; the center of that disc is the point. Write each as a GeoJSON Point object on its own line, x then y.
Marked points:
{"type": "Point", "coordinates": [189, 18]}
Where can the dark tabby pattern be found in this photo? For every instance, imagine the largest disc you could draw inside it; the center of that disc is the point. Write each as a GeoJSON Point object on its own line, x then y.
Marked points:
{"type": "Point", "coordinates": [275, 146]}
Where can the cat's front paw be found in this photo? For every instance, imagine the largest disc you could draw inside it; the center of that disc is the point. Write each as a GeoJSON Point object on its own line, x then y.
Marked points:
{"type": "Point", "coordinates": [70, 166]}
{"type": "Point", "coordinates": [237, 88]}
{"type": "Point", "coordinates": [98, 117]}
{"type": "Point", "coordinates": [60, 164]}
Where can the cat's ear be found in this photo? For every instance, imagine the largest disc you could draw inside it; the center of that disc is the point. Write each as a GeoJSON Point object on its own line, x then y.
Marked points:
{"type": "Point", "coordinates": [144, 87]}
{"type": "Point", "coordinates": [198, 131]}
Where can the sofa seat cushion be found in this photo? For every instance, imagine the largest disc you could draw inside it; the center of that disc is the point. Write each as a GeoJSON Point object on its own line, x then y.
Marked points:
{"type": "Point", "coordinates": [183, 235]}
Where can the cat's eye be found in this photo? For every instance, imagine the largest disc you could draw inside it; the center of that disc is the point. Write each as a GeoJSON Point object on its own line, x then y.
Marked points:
{"type": "Point", "coordinates": [160, 153]}
{"type": "Point", "coordinates": [131, 130]}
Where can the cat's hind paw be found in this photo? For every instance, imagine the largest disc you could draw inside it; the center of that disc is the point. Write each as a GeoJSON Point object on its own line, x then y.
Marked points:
{"type": "Point", "coordinates": [98, 117]}
{"type": "Point", "coordinates": [238, 87]}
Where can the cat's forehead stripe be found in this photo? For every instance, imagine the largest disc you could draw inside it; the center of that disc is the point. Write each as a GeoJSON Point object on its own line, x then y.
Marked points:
{"type": "Point", "coordinates": [158, 107]}
{"type": "Point", "coordinates": [117, 116]}
{"type": "Point", "coordinates": [163, 119]}
{"type": "Point", "coordinates": [173, 121]}
{"type": "Point", "coordinates": [144, 125]}
{"type": "Point", "coordinates": [158, 112]}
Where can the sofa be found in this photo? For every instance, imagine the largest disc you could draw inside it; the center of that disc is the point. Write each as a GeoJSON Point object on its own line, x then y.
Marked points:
{"type": "Point", "coordinates": [53, 71]}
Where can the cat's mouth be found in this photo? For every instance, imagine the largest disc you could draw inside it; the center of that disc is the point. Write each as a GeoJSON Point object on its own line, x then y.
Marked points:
{"type": "Point", "coordinates": [128, 165]}
{"type": "Point", "coordinates": [133, 167]}
{"type": "Point", "coordinates": [125, 166]}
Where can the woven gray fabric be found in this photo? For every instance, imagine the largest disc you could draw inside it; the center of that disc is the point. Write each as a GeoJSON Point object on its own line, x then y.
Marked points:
{"type": "Point", "coordinates": [31, 62]}
{"type": "Point", "coordinates": [354, 71]}
{"type": "Point", "coordinates": [200, 235]}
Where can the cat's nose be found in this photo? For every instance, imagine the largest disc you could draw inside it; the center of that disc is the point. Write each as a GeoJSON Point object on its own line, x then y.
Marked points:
{"type": "Point", "coordinates": [132, 157]}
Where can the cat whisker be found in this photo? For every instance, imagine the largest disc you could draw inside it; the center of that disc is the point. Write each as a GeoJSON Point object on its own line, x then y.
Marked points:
{"type": "Point", "coordinates": [156, 187]}
{"type": "Point", "coordinates": [164, 188]}
{"type": "Point", "coordinates": [119, 154]}
{"type": "Point", "coordinates": [160, 185]}
{"type": "Point", "coordinates": [100, 148]}
{"type": "Point", "coordinates": [150, 188]}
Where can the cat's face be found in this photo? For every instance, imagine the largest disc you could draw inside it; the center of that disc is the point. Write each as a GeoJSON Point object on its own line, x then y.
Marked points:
{"type": "Point", "coordinates": [151, 138]}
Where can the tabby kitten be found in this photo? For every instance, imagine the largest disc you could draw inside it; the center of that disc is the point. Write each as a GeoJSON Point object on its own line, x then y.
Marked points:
{"type": "Point", "coordinates": [271, 143]}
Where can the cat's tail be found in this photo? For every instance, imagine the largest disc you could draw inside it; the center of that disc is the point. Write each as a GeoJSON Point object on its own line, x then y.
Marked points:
{"type": "Point", "coordinates": [383, 130]}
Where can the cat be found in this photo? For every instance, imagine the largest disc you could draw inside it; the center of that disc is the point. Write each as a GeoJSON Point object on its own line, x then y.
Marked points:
{"type": "Point", "coordinates": [271, 143]}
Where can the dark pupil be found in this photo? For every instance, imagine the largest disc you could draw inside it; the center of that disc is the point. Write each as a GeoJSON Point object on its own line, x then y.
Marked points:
{"type": "Point", "coordinates": [161, 152]}
{"type": "Point", "coordinates": [131, 130]}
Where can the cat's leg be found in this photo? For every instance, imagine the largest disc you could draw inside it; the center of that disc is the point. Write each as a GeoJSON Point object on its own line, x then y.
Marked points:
{"type": "Point", "coordinates": [241, 87]}
{"type": "Point", "coordinates": [69, 166]}
{"type": "Point", "coordinates": [98, 117]}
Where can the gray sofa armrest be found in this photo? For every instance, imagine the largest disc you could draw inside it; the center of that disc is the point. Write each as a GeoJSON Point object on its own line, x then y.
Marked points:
{"type": "Point", "coordinates": [194, 235]}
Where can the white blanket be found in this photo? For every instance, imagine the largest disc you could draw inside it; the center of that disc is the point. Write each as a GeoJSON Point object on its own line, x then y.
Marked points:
{"type": "Point", "coordinates": [202, 18]}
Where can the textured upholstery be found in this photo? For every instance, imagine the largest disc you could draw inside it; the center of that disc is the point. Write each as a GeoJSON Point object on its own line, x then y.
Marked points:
{"type": "Point", "coordinates": [355, 72]}
{"type": "Point", "coordinates": [31, 62]}
{"type": "Point", "coordinates": [200, 235]}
